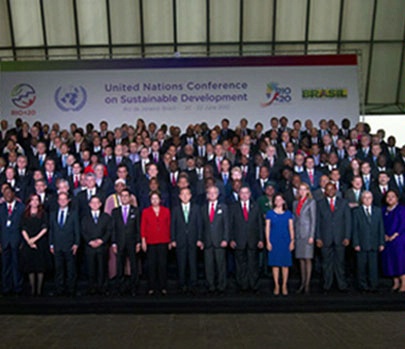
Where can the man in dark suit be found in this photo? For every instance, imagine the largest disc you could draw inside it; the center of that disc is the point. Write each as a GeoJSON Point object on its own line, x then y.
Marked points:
{"type": "Point", "coordinates": [96, 232]}
{"type": "Point", "coordinates": [381, 188]}
{"type": "Point", "coordinates": [186, 237]}
{"type": "Point", "coordinates": [64, 239]}
{"type": "Point", "coordinates": [11, 213]}
{"type": "Point", "coordinates": [333, 231]}
{"type": "Point", "coordinates": [84, 196]}
{"type": "Point", "coordinates": [246, 236]}
{"type": "Point", "coordinates": [126, 240]}
{"type": "Point", "coordinates": [368, 240]}
{"type": "Point", "coordinates": [215, 232]}
{"type": "Point", "coordinates": [311, 176]}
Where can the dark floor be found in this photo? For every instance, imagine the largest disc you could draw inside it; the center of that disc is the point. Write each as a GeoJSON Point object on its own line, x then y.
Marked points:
{"type": "Point", "coordinates": [379, 330]}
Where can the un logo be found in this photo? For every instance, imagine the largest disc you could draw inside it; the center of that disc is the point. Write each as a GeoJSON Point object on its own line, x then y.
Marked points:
{"type": "Point", "coordinates": [70, 98]}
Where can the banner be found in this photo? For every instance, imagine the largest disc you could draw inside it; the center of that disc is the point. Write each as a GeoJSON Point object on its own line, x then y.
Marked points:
{"type": "Point", "coordinates": [181, 91]}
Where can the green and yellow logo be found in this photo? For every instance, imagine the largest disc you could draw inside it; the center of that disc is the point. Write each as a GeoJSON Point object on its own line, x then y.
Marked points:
{"type": "Point", "coordinates": [325, 93]}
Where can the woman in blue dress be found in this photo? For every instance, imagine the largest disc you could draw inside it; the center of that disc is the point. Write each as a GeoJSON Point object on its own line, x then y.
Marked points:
{"type": "Point", "coordinates": [280, 242]}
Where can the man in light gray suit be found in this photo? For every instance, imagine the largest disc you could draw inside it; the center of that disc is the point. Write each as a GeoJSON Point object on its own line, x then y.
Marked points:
{"type": "Point", "coordinates": [333, 232]}
{"type": "Point", "coordinates": [215, 234]}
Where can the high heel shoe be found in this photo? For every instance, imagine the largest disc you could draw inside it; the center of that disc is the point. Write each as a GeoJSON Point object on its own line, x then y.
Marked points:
{"type": "Point", "coordinates": [276, 291]}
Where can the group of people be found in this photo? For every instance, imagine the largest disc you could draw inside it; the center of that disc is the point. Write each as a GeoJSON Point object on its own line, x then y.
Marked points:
{"type": "Point", "coordinates": [112, 205]}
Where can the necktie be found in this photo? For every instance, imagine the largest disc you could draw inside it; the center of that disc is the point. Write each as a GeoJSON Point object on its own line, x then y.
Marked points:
{"type": "Point", "coordinates": [356, 193]}
{"type": "Point", "coordinates": [245, 212]}
{"type": "Point", "coordinates": [212, 212]}
{"type": "Point", "coordinates": [41, 160]}
{"type": "Point", "coordinates": [186, 213]}
{"type": "Point", "coordinates": [173, 180]}
{"type": "Point", "coordinates": [400, 184]}
{"type": "Point", "coordinates": [155, 159]}
{"type": "Point", "coordinates": [95, 218]}
{"type": "Point", "coordinates": [76, 182]}
{"type": "Point", "coordinates": [311, 177]}
{"type": "Point", "coordinates": [49, 179]}
{"type": "Point", "coordinates": [367, 183]}
{"type": "Point", "coordinates": [10, 209]}
{"type": "Point", "coordinates": [219, 165]}
{"type": "Point", "coordinates": [125, 215]}
{"type": "Point", "coordinates": [332, 205]}
{"type": "Point", "coordinates": [384, 191]}
{"type": "Point", "coordinates": [225, 178]}
{"type": "Point", "coordinates": [61, 218]}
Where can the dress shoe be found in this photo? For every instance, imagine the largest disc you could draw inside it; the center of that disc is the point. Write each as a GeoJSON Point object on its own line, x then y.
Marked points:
{"type": "Point", "coordinates": [151, 292]}
{"type": "Point", "coordinates": [163, 292]}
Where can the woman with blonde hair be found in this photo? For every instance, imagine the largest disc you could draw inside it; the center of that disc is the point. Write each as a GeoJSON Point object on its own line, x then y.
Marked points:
{"type": "Point", "coordinates": [304, 209]}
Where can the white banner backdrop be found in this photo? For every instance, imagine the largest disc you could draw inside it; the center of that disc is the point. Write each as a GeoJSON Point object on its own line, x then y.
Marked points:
{"type": "Point", "coordinates": [180, 95]}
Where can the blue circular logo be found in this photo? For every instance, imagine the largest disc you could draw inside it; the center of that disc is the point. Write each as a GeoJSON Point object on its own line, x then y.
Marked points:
{"type": "Point", "coordinates": [23, 96]}
{"type": "Point", "coordinates": [70, 98]}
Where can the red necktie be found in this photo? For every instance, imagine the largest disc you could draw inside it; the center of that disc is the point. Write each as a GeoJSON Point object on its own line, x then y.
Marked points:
{"type": "Point", "coordinates": [245, 212]}
{"type": "Point", "coordinates": [311, 177]}
{"type": "Point", "coordinates": [212, 213]}
{"type": "Point", "coordinates": [219, 165]}
{"type": "Point", "coordinates": [173, 180]}
{"type": "Point", "coordinates": [384, 191]}
{"type": "Point", "coordinates": [10, 209]}
{"type": "Point", "coordinates": [49, 179]}
{"type": "Point", "coordinates": [332, 205]}
{"type": "Point", "coordinates": [76, 182]}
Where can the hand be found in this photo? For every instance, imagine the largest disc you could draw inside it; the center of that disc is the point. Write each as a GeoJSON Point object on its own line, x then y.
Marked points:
{"type": "Point", "coordinates": [169, 246]}
{"type": "Point", "coordinates": [224, 244]}
{"type": "Point", "coordinates": [357, 248]}
{"type": "Point", "coordinates": [174, 244]}
{"type": "Point", "coordinates": [346, 242]}
{"type": "Point", "coordinates": [74, 249]}
{"type": "Point", "coordinates": [93, 244]}
{"type": "Point", "coordinates": [200, 245]}
{"type": "Point", "coordinates": [52, 250]}
{"type": "Point", "coordinates": [260, 245]}
{"type": "Point", "coordinates": [311, 241]}
{"type": "Point", "coordinates": [232, 244]}
{"type": "Point", "coordinates": [34, 246]}
{"type": "Point", "coordinates": [114, 249]}
{"type": "Point", "coordinates": [144, 246]}
{"type": "Point", "coordinates": [394, 236]}
{"type": "Point", "coordinates": [386, 238]}
{"type": "Point", "coordinates": [137, 248]}
{"type": "Point", "coordinates": [292, 245]}
{"type": "Point", "coordinates": [99, 242]}
{"type": "Point", "coordinates": [381, 248]}
{"type": "Point", "coordinates": [319, 243]}
{"type": "Point", "coordinates": [268, 246]}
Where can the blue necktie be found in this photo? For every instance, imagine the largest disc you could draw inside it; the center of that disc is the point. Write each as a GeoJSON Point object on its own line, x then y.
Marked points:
{"type": "Point", "coordinates": [61, 218]}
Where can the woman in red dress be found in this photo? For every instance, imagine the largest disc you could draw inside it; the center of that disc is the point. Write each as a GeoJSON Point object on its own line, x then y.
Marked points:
{"type": "Point", "coordinates": [155, 234]}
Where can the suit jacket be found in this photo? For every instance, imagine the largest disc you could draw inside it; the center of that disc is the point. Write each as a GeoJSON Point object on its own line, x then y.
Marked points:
{"type": "Point", "coordinates": [10, 234]}
{"type": "Point", "coordinates": [217, 231]}
{"type": "Point", "coordinates": [128, 233]}
{"type": "Point", "coordinates": [100, 230]}
{"type": "Point", "coordinates": [333, 227]}
{"type": "Point", "coordinates": [305, 223]}
{"type": "Point", "coordinates": [83, 202]}
{"type": "Point", "coordinates": [368, 232]}
{"type": "Point", "coordinates": [186, 234]}
{"type": "Point", "coordinates": [305, 178]}
{"type": "Point", "coordinates": [63, 238]}
{"type": "Point", "coordinates": [350, 196]}
{"type": "Point", "coordinates": [248, 233]}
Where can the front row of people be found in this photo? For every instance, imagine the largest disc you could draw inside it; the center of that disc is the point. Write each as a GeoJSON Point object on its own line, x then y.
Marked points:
{"type": "Point", "coordinates": [213, 228]}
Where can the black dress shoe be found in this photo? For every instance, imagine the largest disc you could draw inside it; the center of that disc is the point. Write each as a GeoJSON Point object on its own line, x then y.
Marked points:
{"type": "Point", "coordinates": [163, 292]}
